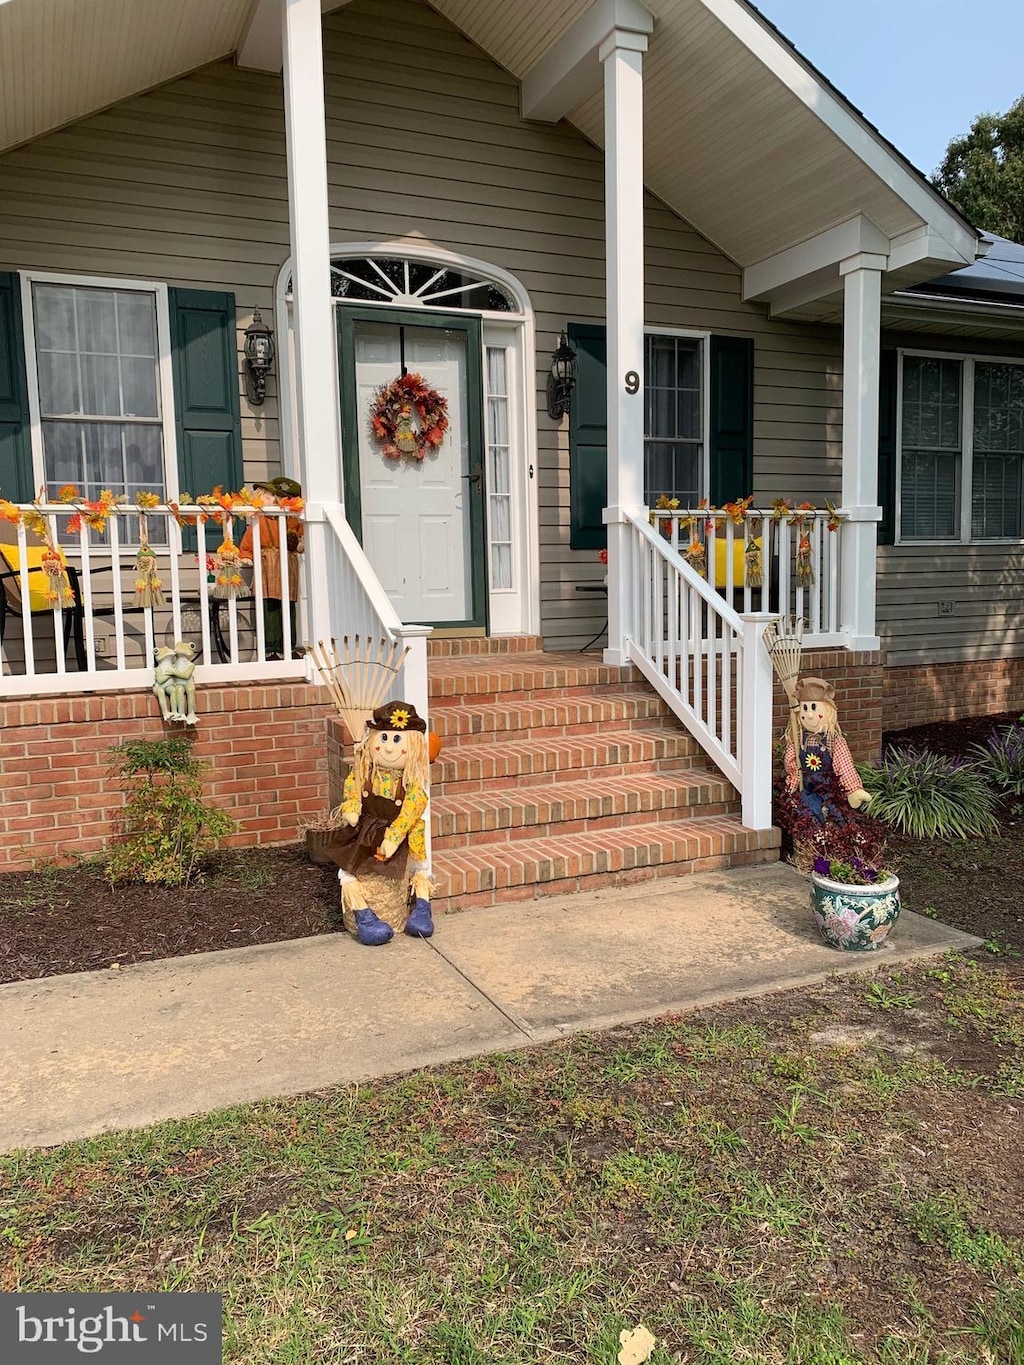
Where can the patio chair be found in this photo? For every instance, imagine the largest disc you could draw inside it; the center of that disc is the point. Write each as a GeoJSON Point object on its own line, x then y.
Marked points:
{"type": "Point", "coordinates": [11, 603]}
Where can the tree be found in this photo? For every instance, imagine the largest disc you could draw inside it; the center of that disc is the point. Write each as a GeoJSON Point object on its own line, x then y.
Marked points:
{"type": "Point", "coordinates": [983, 173]}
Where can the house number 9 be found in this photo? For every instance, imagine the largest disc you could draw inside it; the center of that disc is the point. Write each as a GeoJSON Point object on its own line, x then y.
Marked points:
{"type": "Point", "coordinates": [632, 381]}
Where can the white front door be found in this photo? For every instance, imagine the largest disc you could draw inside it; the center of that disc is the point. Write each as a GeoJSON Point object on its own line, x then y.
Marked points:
{"type": "Point", "coordinates": [418, 518]}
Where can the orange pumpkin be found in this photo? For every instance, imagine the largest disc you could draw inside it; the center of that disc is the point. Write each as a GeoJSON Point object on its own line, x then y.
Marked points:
{"type": "Point", "coordinates": [433, 745]}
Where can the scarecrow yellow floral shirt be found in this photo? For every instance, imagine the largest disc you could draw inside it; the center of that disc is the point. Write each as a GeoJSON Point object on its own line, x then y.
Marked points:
{"type": "Point", "coordinates": [409, 821]}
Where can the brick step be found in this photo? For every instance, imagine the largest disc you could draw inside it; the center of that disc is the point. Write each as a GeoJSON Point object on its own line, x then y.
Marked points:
{"type": "Point", "coordinates": [490, 679]}
{"type": "Point", "coordinates": [473, 767]}
{"type": "Point", "coordinates": [460, 645]}
{"type": "Point", "coordinates": [512, 813]}
{"type": "Point", "coordinates": [476, 722]}
{"type": "Point", "coordinates": [524, 869]}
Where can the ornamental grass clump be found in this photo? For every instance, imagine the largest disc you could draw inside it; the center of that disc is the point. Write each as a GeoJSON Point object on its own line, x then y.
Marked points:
{"type": "Point", "coordinates": [931, 796]}
{"type": "Point", "coordinates": [166, 827]}
{"type": "Point", "coordinates": [1001, 760]}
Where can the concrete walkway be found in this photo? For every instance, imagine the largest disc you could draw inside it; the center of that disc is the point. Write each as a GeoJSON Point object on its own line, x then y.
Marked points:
{"type": "Point", "coordinates": [120, 1049]}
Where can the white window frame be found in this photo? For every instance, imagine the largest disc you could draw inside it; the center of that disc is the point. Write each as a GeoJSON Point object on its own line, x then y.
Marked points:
{"type": "Point", "coordinates": [689, 334]}
{"type": "Point", "coordinates": [967, 360]}
{"type": "Point", "coordinates": [165, 373]}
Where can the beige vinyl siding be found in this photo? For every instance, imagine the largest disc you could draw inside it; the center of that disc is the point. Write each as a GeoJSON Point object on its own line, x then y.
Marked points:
{"type": "Point", "coordinates": [187, 184]}
{"type": "Point", "coordinates": [984, 581]}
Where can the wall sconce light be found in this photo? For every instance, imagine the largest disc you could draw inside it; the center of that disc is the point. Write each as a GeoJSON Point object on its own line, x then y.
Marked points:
{"type": "Point", "coordinates": [562, 379]}
{"type": "Point", "coordinates": [259, 356]}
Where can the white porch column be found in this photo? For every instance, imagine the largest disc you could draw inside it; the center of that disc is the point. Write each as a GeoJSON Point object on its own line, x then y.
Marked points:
{"type": "Point", "coordinates": [313, 317]}
{"type": "Point", "coordinates": [621, 54]}
{"type": "Point", "coordinates": [862, 307]}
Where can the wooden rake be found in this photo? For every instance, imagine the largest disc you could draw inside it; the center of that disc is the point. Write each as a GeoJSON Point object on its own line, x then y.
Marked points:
{"type": "Point", "coordinates": [358, 676]}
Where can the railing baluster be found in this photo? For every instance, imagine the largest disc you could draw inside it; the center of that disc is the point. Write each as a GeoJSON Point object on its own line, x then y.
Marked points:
{"type": "Point", "coordinates": [85, 579]}
{"type": "Point", "coordinates": [26, 615]}
{"type": "Point", "coordinates": [785, 552]}
{"type": "Point", "coordinates": [58, 615]}
{"type": "Point", "coordinates": [835, 543]}
{"type": "Point", "coordinates": [114, 525]}
{"type": "Point", "coordinates": [286, 597]}
{"type": "Point", "coordinates": [258, 587]}
{"type": "Point", "coordinates": [815, 589]}
{"type": "Point", "coordinates": [204, 589]}
{"type": "Point", "coordinates": [175, 592]}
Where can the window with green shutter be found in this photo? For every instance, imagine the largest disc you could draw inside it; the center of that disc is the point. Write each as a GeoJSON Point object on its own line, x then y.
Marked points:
{"type": "Point", "coordinates": [680, 373]}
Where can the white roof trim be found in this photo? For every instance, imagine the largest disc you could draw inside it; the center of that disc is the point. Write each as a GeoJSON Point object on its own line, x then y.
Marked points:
{"type": "Point", "coordinates": [818, 258]}
{"type": "Point", "coordinates": [570, 70]}
{"type": "Point", "coordinates": [847, 125]}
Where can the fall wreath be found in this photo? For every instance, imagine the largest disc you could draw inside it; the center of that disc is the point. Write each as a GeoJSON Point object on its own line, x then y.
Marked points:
{"type": "Point", "coordinates": [408, 417]}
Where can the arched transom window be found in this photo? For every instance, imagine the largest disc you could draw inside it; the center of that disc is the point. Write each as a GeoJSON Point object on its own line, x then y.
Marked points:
{"type": "Point", "coordinates": [416, 283]}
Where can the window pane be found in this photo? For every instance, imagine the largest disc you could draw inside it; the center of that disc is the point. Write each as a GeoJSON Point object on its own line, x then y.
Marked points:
{"type": "Point", "coordinates": [501, 526]}
{"type": "Point", "coordinates": [673, 418]}
{"type": "Point", "coordinates": [500, 471]}
{"type": "Point", "coordinates": [501, 560]}
{"type": "Point", "coordinates": [673, 468]}
{"type": "Point", "coordinates": [58, 383]}
{"type": "Point", "coordinates": [97, 325]}
{"type": "Point", "coordinates": [97, 351]}
{"type": "Point", "coordinates": [930, 495]}
{"type": "Point", "coordinates": [55, 317]}
{"type": "Point", "coordinates": [996, 497]}
{"type": "Point", "coordinates": [101, 395]}
{"type": "Point", "coordinates": [497, 370]}
{"type": "Point", "coordinates": [125, 457]}
{"type": "Point", "coordinates": [998, 408]}
{"type": "Point", "coordinates": [138, 387]}
{"type": "Point", "coordinates": [931, 403]}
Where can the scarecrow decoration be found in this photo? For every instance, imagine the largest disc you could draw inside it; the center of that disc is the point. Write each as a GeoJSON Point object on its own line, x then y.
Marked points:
{"type": "Point", "coordinates": [381, 846]}
{"type": "Point", "coordinates": [817, 755]}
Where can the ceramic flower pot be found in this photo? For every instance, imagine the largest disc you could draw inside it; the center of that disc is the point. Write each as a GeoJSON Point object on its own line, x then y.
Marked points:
{"type": "Point", "coordinates": [856, 918]}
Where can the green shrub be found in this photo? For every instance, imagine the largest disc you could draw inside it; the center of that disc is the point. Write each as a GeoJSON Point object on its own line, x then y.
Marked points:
{"type": "Point", "coordinates": [166, 827]}
{"type": "Point", "coordinates": [931, 796]}
{"type": "Point", "coordinates": [1001, 760]}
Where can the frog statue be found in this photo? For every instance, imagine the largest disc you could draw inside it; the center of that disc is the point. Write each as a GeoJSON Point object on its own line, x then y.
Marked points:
{"type": "Point", "coordinates": [173, 682]}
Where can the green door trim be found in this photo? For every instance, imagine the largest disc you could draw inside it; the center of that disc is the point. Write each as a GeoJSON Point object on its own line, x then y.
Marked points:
{"type": "Point", "coordinates": [476, 491]}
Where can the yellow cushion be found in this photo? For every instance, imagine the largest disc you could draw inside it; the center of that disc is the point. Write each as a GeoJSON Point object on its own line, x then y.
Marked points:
{"type": "Point", "coordinates": [721, 549]}
{"type": "Point", "coordinates": [37, 581]}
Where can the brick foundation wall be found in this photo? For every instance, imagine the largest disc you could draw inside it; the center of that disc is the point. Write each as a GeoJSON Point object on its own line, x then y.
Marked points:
{"type": "Point", "coordinates": [860, 696]}
{"type": "Point", "coordinates": [266, 747]}
{"type": "Point", "coordinates": [919, 694]}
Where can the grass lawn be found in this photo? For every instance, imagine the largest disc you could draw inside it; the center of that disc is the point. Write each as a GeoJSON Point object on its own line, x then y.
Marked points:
{"type": "Point", "coordinates": [831, 1175]}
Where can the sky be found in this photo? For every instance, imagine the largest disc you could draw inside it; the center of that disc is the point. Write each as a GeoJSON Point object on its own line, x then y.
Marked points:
{"type": "Point", "coordinates": [919, 70]}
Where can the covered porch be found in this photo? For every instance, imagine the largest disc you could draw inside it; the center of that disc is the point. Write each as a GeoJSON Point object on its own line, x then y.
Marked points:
{"type": "Point", "coordinates": [808, 248]}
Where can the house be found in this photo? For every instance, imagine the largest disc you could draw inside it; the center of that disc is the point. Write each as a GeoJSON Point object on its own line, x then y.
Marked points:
{"type": "Point", "coordinates": [455, 189]}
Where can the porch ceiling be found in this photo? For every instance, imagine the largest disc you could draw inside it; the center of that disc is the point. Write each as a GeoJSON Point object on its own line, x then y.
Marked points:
{"type": "Point", "coordinates": [742, 137]}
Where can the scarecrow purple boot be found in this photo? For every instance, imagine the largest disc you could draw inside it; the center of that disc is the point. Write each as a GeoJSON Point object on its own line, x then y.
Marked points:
{"type": "Point", "coordinates": [370, 930]}
{"type": "Point", "coordinates": [420, 924]}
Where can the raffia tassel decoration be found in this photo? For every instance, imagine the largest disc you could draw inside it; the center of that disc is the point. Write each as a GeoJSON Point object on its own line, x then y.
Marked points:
{"type": "Point", "coordinates": [752, 569]}
{"type": "Point", "coordinates": [695, 556]}
{"type": "Point", "coordinates": [227, 566]}
{"type": "Point", "coordinates": [58, 586]}
{"type": "Point", "coordinates": [149, 591]}
{"type": "Point", "coordinates": [804, 564]}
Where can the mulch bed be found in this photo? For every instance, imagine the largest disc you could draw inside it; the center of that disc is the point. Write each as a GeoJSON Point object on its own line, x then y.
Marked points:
{"type": "Point", "coordinates": [68, 919]}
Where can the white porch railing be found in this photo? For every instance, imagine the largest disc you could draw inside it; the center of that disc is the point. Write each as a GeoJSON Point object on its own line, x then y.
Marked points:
{"type": "Point", "coordinates": [705, 659]}
{"type": "Point", "coordinates": [104, 641]}
{"type": "Point", "coordinates": [784, 589]}
{"type": "Point", "coordinates": [358, 605]}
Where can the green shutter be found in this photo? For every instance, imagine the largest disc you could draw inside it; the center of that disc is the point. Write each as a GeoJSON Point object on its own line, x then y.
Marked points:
{"type": "Point", "coordinates": [887, 447]}
{"type": "Point", "coordinates": [588, 438]}
{"type": "Point", "coordinates": [731, 438]}
{"type": "Point", "coordinates": [15, 447]}
{"type": "Point", "coordinates": [206, 390]}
